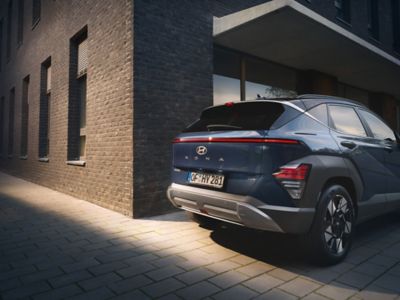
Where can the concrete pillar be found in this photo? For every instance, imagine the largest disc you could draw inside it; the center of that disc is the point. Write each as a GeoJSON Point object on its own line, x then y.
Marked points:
{"type": "Point", "coordinates": [314, 82]}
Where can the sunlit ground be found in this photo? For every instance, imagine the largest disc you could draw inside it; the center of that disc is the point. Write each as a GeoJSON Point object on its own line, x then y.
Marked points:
{"type": "Point", "coordinates": [55, 246]}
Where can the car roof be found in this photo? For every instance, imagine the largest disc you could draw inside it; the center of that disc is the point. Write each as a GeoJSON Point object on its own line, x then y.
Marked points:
{"type": "Point", "coordinates": [308, 101]}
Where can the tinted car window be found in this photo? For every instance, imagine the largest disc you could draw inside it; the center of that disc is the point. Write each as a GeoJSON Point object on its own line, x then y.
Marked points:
{"type": "Point", "coordinates": [379, 129]}
{"type": "Point", "coordinates": [346, 120]}
{"type": "Point", "coordinates": [244, 116]}
{"type": "Point", "coordinates": [320, 113]}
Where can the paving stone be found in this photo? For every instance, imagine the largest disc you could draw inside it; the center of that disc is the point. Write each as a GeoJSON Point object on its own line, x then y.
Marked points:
{"type": "Point", "coordinates": [238, 292]}
{"type": "Point", "coordinates": [390, 282]}
{"type": "Point", "coordinates": [337, 291]}
{"type": "Point", "coordinates": [9, 284]}
{"type": "Point", "coordinates": [282, 274]}
{"type": "Point", "coordinates": [129, 284]}
{"type": "Point", "coordinates": [60, 293]}
{"type": "Point", "coordinates": [26, 290]}
{"type": "Point", "coordinates": [355, 279]}
{"type": "Point", "coordinates": [98, 281]}
{"type": "Point", "coordinates": [242, 259]}
{"type": "Point", "coordinates": [196, 275]}
{"type": "Point", "coordinates": [199, 290]}
{"type": "Point", "coordinates": [322, 276]}
{"type": "Point", "coordinates": [165, 272]}
{"type": "Point", "coordinates": [106, 268]}
{"type": "Point", "coordinates": [228, 279]}
{"type": "Point", "coordinates": [171, 260]}
{"type": "Point", "coordinates": [373, 292]}
{"type": "Point", "coordinates": [370, 269]}
{"type": "Point", "coordinates": [41, 275]}
{"type": "Point", "coordinates": [81, 265]}
{"type": "Point", "coordinates": [263, 283]}
{"type": "Point", "coordinates": [133, 295]}
{"type": "Point", "coordinates": [276, 294]}
{"type": "Point", "coordinates": [255, 268]}
{"type": "Point", "coordinates": [223, 266]}
{"type": "Point", "coordinates": [383, 260]}
{"type": "Point", "coordinates": [314, 296]}
{"type": "Point", "coordinates": [98, 294]}
{"type": "Point", "coordinates": [299, 287]}
{"type": "Point", "coordinates": [163, 287]}
{"type": "Point", "coordinates": [135, 270]}
{"type": "Point", "coordinates": [395, 270]}
{"type": "Point", "coordinates": [69, 278]}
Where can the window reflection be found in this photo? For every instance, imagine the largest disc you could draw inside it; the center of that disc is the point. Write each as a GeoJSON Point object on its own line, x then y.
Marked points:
{"type": "Point", "coordinates": [226, 89]}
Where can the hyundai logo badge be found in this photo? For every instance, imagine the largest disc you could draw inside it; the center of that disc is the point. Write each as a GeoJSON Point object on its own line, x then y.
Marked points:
{"type": "Point", "coordinates": [201, 150]}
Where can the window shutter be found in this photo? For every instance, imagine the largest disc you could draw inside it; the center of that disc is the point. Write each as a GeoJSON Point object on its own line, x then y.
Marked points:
{"type": "Point", "coordinates": [82, 58]}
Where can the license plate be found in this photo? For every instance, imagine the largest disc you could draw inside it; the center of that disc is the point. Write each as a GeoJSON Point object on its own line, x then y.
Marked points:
{"type": "Point", "coordinates": [213, 180]}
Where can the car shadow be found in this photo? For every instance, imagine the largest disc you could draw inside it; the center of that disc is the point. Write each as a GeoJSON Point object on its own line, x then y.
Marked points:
{"type": "Point", "coordinates": [284, 249]}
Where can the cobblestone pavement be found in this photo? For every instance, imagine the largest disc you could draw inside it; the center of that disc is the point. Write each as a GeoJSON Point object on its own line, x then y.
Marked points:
{"type": "Point", "coordinates": [54, 246]}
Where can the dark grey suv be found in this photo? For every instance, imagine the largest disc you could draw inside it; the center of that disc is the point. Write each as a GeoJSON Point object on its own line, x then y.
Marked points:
{"type": "Point", "coordinates": [313, 166]}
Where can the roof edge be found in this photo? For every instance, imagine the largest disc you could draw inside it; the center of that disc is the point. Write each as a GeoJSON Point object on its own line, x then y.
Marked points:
{"type": "Point", "coordinates": [237, 19]}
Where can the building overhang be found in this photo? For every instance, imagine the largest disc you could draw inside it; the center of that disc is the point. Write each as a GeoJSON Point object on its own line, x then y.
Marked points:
{"type": "Point", "coordinates": [288, 33]}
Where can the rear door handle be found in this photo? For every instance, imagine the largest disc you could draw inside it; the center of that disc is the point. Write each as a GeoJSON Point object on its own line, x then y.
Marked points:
{"type": "Point", "coordinates": [348, 144]}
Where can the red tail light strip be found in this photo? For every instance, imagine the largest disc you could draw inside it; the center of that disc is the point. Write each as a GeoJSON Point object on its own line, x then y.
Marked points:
{"type": "Point", "coordinates": [235, 140]}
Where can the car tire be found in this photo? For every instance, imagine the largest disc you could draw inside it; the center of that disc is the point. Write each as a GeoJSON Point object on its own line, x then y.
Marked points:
{"type": "Point", "coordinates": [331, 234]}
{"type": "Point", "coordinates": [203, 221]}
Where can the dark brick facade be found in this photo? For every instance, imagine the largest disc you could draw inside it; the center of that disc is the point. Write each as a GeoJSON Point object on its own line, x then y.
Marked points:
{"type": "Point", "coordinates": [149, 75]}
{"type": "Point", "coordinates": [107, 177]}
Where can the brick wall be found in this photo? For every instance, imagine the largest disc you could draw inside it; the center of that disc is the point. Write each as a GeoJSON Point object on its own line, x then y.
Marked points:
{"type": "Point", "coordinates": [107, 177]}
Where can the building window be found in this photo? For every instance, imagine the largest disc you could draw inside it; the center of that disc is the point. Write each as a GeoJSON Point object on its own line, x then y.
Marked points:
{"type": "Point", "coordinates": [44, 109]}
{"type": "Point", "coordinates": [24, 117]}
{"type": "Point", "coordinates": [373, 18]}
{"type": "Point", "coordinates": [20, 31]}
{"type": "Point", "coordinates": [36, 9]}
{"type": "Point", "coordinates": [396, 24]}
{"type": "Point", "coordinates": [77, 97]}
{"type": "Point", "coordinates": [11, 109]}
{"type": "Point", "coordinates": [343, 8]}
{"type": "Point", "coordinates": [1, 44]}
{"type": "Point", "coordinates": [2, 121]}
{"type": "Point", "coordinates": [241, 77]}
{"type": "Point", "coordinates": [9, 30]}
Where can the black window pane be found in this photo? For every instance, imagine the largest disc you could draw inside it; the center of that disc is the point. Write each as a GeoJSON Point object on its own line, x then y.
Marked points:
{"type": "Point", "coordinates": [373, 18]}
{"type": "Point", "coordinates": [20, 31]}
{"type": "Point", "coordinates": [244, 116]}
{"type": "Point", "coordinates": [36, 8]}
{"type": "Point", "coordinates": [396, 24]}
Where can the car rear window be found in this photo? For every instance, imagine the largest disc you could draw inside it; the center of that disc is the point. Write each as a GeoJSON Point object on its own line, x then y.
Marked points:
{"type": "Point", "coordinates": [244, 116]}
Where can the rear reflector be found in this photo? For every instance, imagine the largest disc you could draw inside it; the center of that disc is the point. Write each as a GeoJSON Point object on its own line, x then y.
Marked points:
{"type": "Point", "coordinates": [235, 140]}
{"type": "Point", "coordinates": [293, 173]}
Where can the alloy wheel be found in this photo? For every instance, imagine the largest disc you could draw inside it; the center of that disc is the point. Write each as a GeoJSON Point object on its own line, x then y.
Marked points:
{"type": "Point", "coordinates": [338, 224]}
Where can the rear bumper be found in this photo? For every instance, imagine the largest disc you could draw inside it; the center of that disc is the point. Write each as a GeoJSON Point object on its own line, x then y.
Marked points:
{"type": "Point", "coordinates": [242, 210]}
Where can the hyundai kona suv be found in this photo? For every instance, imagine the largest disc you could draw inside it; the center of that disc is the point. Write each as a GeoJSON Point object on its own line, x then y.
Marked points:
{"type": "Point", "coordinates": [313, 166]}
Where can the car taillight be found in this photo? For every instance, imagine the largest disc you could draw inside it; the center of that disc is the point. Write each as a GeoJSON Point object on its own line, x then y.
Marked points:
{"type": "Point", "coordinates": [293, 179]}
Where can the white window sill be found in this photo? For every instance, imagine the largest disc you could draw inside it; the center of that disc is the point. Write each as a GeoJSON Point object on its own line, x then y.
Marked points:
{"type": "Point", "coordinates": [80, 163]}
{"type": "Point", "coordinates": [23, 157]}
{"type": "Point", "coordinates": [43, 159]}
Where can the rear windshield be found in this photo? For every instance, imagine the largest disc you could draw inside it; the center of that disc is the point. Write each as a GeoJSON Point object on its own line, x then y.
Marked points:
{"type": "Point", "coordinates": [244, 116]}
